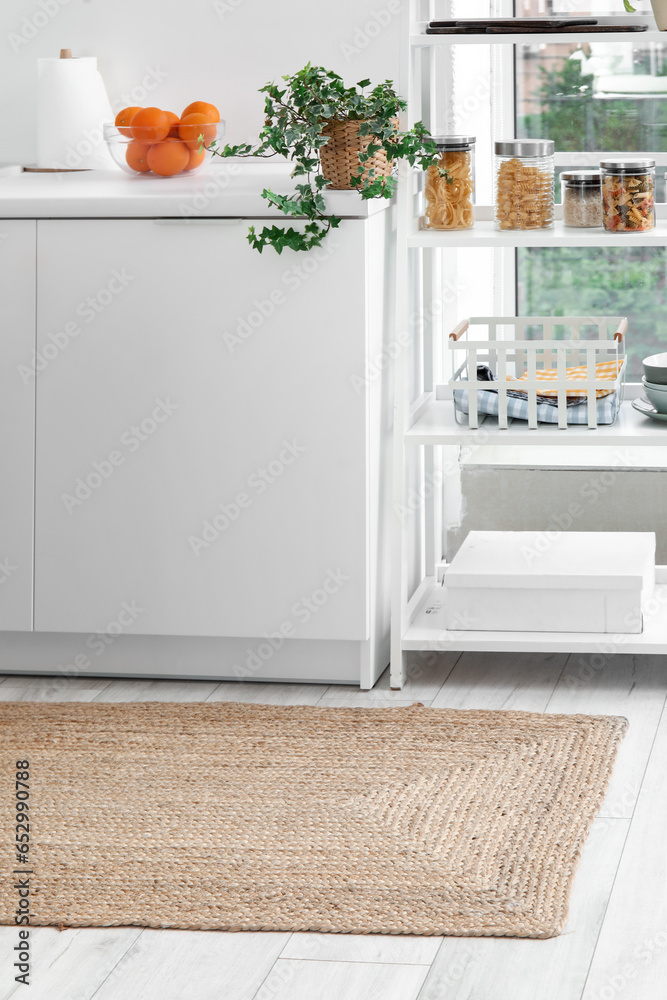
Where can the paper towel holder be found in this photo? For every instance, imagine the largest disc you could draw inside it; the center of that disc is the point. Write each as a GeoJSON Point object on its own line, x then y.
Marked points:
{"type": "Point", "coordinates": [64, 54]}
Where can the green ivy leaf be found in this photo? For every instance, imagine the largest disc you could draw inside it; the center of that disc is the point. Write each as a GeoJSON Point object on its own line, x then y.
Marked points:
{"type": "Point", "coordinates": [295, 115]}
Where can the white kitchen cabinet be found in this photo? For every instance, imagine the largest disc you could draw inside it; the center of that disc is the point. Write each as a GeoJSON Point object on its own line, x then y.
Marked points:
{"type": "Point", "coordinates": [17, 407]}
{"type": "Point", "coordinates": [207, 442]}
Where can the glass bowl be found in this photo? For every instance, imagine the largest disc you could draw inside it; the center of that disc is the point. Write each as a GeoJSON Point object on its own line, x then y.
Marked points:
{"type": "Point", "coordinates": [170, 158]}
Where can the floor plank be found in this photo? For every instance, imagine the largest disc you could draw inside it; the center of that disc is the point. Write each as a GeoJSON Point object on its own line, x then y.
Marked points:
{"type": "Point", "coordinates": [522, 969]}
{"type": "Point", "coordinates": [396, 949]}
{"type": "Point", "coordinates": [630, 961]}
{"type": "Point", "coordinates": [67, 965]}
{"type": "Point", "coordinates": [52, 688]}
{"type": "Point", "coordinates": [268, 694]}
{"type": "Point", "coordinates": [173, 965]}
{"type": "Point", "coordinates": [298, 980]}
{"type": "Point", "coordinates": [511, 681]}
{"type": "Point", "coordinates": [426, 674]}
{"type": "Point", "coordinates": [633, 686]}
{"type": "Point", "coordinates": [152, 690]}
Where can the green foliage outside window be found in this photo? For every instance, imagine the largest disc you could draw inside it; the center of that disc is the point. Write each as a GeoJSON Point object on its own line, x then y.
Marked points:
{"type": "Point", "coordinates": [613, 281]}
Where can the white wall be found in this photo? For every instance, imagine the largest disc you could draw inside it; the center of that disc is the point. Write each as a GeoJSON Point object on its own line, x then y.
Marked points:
{"type": "Point", "coordinates": [177, 51]}
{"type": "Point", "coordinates": [610, 498]}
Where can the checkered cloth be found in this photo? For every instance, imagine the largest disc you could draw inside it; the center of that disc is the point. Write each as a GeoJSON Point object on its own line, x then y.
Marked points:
{"type": "Point", "coordinates": [547, 413]}
{"type": "Point", "coordinates": [604, 371]}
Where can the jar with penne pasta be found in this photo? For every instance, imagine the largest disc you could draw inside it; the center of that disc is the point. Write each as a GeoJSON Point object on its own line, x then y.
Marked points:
{"type": "Point", "coordinates": [628, 187]}
{"type": "Point", "coordinates": [524, 184]}
{"type": "Point", "coordinates": [449, 185]}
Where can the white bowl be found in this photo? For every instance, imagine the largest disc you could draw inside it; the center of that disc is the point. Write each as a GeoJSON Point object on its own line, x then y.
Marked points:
{"type": "Point", "coordinates": [653, 385]}
{"type": "Point", "coordinates": [659, 399]}
{"type": "Point", "coordinates": [655, 368]}
{"type": "Point", "coordinates": [657, 360]}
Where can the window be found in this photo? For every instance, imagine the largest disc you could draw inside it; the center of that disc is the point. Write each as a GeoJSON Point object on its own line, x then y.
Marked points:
{"type": "Point", "coordinates": [590, 99]}
{"type": "Point", "coordinates": [612, 281]}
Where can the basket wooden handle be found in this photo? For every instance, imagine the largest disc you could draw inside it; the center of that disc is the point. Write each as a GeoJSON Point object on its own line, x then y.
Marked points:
{"type": "Point", "coordinates": [622, 327]}
{"type": "Point", "coordinates": [460, 329]}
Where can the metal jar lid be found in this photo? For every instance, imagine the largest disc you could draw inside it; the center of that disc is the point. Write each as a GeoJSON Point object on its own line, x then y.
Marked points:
{"type": "Point", "coordinates": [454, 141]}
{"type": "Point", "coordinates": [627, 165]}
{"type": "Point", "coordinates": [525, 147]}
{"type": "Point", "coordinates": [581, 178]}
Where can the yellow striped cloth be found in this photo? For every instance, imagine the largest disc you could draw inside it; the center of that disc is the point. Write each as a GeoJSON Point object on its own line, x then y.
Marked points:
{"type": "Point", "coordinates": [607, 371]}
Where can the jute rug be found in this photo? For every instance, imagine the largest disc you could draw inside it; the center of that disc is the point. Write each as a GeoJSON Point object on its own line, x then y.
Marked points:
{"type": "Point", "coordinates": [245, 817]}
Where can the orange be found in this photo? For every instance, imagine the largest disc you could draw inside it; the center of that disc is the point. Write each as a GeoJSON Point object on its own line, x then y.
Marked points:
{"type": "Point", "coordinates": [196, 159]}
{"type": "Point", "coordinates": [168, 157]}
{"type": "Point", "coordinates": [124, 117]}
{"type": "Point", "coordinates": [194, 125]}
{"type": "Point", "coordinates": [175, 122]}
{"type": "Point", "coordinates": [202, 108]}
{"type": "Point", "coordinates": [137, 156]}
{"type": "Point", "coordinates": [150, 125]}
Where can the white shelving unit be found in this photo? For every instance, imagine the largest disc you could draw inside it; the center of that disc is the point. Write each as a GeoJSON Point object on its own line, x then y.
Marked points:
{"type": "Point", "coordinates": [484, 235]}
{"type": "Point", "coordinates": [425, 422]}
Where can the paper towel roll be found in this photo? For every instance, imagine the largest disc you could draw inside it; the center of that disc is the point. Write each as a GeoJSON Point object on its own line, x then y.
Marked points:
{"type": "Point", "coordinates": [72, 104]}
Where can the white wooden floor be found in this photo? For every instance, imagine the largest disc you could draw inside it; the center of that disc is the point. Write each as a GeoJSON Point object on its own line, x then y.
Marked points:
{"type": "Point", "coordinates": [615, 944]}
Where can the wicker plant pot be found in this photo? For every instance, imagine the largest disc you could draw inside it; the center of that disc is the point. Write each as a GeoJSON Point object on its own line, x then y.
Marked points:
{"type": "Point", "coordinates": [660, 13]}
{"type": "Point", "coordinates": [340, 156]}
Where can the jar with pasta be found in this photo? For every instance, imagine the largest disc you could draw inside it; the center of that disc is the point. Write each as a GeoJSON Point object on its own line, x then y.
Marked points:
{"type": "Point", "coordinates": [524, 184]}
{"type": "Point", "coordinates": [449, 185]}
{"type": "Point", "coordinates": [628, 195]}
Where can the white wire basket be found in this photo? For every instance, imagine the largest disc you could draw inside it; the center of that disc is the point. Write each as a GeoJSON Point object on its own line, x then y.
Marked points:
{"type": "Point", "coordinates": [535, 368]}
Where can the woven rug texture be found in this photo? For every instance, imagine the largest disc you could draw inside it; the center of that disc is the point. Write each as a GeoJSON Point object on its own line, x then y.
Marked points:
{"type": "Point", "coordinates": [252, 817]}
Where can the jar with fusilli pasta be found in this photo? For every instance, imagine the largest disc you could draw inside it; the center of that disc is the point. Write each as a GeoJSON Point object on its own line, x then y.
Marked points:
{"type": "Point", "coordinates": [449, 185]}
{"type": "Point", "coordinates": [524, 184]}
{"type": "Point", "coordinates": [628, 189]}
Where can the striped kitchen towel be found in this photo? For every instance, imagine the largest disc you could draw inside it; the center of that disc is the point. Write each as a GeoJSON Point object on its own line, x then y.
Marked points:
{"type": "Point", "coordinates": [547, 413]}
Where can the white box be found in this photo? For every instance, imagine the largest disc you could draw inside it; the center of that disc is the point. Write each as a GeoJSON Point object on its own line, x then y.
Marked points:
{"type": "Point", "coordinates": [550, 581]}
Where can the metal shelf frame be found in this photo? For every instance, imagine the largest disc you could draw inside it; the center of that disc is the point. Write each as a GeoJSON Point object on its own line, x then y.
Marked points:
{"type": "Point", "coordinates": [424, 424]}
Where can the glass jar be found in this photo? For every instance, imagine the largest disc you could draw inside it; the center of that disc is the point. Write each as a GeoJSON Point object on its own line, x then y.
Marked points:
{"type": "Point", "coordinates": [582, 199]}
{"type": "Point", "coordinates": [449, 186]}
{"type": "Point", "coordinates": [628, 188]}
{"type": "Point", "coordinates": [524, 184]}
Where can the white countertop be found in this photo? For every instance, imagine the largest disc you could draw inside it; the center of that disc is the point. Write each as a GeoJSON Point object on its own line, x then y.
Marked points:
{"type": "Point", "coordinates": [224, 189]}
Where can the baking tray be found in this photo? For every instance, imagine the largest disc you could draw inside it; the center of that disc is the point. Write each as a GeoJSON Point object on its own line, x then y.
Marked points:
{"type": "Point", "coordinates": [597, 29]}
{"type": "Point", "coordinates": [513, 26]}
{"type": "Point", "coordinates": [512, 22]}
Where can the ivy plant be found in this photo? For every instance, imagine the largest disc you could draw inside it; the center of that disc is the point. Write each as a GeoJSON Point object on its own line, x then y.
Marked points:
{"type": "Point", "coordinates": [296, 111]}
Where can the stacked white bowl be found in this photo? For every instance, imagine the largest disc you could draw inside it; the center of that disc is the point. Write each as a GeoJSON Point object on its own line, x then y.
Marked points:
{"type": "Point", "coordinates": [655, 381]}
